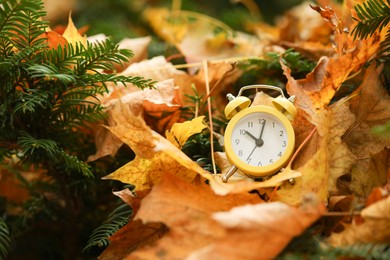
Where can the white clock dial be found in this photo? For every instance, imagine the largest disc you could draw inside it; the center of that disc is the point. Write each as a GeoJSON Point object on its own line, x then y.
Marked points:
{"type": "Point", "coordinates": [259, 139]}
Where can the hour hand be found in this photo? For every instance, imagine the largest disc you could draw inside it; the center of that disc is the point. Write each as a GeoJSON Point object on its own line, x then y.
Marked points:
{"type": "Point", "coordinates": [251, 135]}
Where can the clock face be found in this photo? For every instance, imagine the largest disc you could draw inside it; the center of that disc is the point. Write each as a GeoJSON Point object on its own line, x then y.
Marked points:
{"type": "Point", "coordinates": [259, 142]}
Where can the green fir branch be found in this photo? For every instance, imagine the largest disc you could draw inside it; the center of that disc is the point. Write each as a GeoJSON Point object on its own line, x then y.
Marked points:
{"type": "Point", "coordinates": [374, 15]}
{"type": "Point", "coordinates": [5, 239]}
{"type": "Point", "coordinates": [20, 22]}
{"type": "Point", "coordinates": [117, 219]}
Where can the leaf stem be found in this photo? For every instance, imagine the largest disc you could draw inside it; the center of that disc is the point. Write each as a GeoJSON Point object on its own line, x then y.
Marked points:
{"type": "Point", "coordinates": [301, 146]}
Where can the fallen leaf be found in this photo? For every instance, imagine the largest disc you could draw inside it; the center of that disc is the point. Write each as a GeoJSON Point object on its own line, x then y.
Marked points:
{"type": "Point", "coordinates": [371, 106]}
{"type": "Point", "coordinates": [325, 158]}
{"type": "Point", "coordinates": [156, 68]}
{"type": "Point", "coordinates": [199, 37]}
{"type": "Point", "coordinates": [185, 209]}
{"type": "Point", "coordinates": [302, 24]}
{"type": "Point", "coordinates": [139, 47]}
{"type": "Point", "coordinates": [365, 180]}
{"type": "Point", "coordinates": [374, 230]}
{"type": "Point", "coordinates": [320, 86]}
{"type": "Point", "coordinates": [133, 235]}
{"type": "Point", "coordinates": [161, 99]}
{"type": "Point", "coordinates": [72, 35]}
{"type": "Point", "coordinates": [180, 132]}
{"type": "Point", "coordinates": [154, 154]}
{"type": "Point", "coordinates": [259, 231]}
{"type": "Point", "coordinates": [54, 39]}
{"type": "Point", "coordinates": [239, 182]}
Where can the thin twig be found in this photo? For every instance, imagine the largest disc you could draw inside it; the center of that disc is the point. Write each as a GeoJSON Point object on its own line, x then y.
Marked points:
{"type": "Point", "coordinates": [206, 75]}
{"type": "Point", "coordinates": [219, 82]}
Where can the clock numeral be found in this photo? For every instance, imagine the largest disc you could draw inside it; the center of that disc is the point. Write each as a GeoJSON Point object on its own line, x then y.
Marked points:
{"type": "Point", "coordinates": [281, 133]}
{"type": "Point", "coordinates": [237, 141]}
{"type": "Point", "coordinates": [249, 160]}
{"type": "Point", "coordinates": [284, 144]}
{"type": "Point", "coordinates": [280, 154]}
{"type": "Point", "coordinates": [242, 131]}
{"type": "Point", "coordinates": [273, 124]}
{"type": "Point", "coordinates": [250, 124]}
{"type": "Point", "coordinates": [260, 164]}
{"type": "Point", "coordinates": [240, 153]}
{"type": "Point", "coordinates": [271, 161]}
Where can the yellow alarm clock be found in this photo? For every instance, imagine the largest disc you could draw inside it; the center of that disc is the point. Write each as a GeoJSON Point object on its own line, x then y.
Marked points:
{"type": "Point", "coordinates": [259, 140]}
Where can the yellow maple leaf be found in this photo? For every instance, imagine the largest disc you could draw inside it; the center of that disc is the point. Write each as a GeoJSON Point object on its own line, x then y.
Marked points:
{"type": "Point", "coordinates": [155, 155]}
{"type": "Point", "coordinates": [180, 132]}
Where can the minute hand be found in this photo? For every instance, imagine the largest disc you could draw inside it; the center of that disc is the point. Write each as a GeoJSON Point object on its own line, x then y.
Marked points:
{"type": "Point", "coordinates": [260, 141]}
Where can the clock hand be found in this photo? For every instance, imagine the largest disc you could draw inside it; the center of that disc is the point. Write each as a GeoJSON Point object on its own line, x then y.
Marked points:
{"type": "Point", "coordinates": [251, 152]}
{"type": "Point", "coordinates": [251, 135]}
{"type": "Point", "coordinates": [259, 141]}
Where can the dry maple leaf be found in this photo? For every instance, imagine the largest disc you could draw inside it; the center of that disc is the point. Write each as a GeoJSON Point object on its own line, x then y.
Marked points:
{"type": "Point", "coordinates": [374, 230]}
{"type": "Point", "coordinates": [155, 155]}
{"type": "Point", "coordinates": [371, 107]}
{"type": "Point", "coordinates": [364, 180]}
{"type": "Point", "coordinates": [158, 100]}
{"type": "Point", "coordinates": [324, 159]}
{"type": "Point", "coordinates": [186, 210]}
{"type": "Point", "coordinates": [319, 86]}
{"type": "Point", "coordinates": [259, 231]}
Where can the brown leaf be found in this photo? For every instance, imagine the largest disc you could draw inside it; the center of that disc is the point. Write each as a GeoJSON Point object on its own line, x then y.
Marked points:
{"type": "Point", "coordinates": [157, 101]}
{"type": "Point", "coordinates": [374, 230]}
{"type": "Point", "coordinates": [259, 231]}
{"type": "Point", "coordinates": [54, 39]}
{"type": "Point", "coordinates": [186, 210]}
{"type": "Point", "coordinates": [133, 235]}
{"type": "Point", "coordinates": [319, 87]}
{"type": "Point", "coordinates": [364, 180]}
{"type": "Point", "coordinates": [371, 107]}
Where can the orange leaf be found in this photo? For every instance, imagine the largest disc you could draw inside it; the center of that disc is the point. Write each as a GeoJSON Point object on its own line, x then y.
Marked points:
{"type": "Point", "coordinates": [319, 86]}
{"type": "Point", "coordinates": [186, 210]}
{"type": "Point", "coordinates": [259, 231]}
{"type": "Point", "coordinates": [54, 39]}
{"type": "Point", "coordinates": [374, 230]}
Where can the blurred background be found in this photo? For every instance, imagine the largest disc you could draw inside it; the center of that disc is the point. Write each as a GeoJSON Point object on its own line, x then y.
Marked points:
{"type": "Point", "coordinates": [124, 18]}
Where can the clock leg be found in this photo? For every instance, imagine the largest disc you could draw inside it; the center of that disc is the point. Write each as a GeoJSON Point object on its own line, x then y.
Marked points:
{"type": "Point", "coordinates": [229, 173]}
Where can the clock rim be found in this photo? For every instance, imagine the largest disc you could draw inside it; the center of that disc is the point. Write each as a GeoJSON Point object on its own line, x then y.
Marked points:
{"type": "Point", "coordinates": [259, 171]}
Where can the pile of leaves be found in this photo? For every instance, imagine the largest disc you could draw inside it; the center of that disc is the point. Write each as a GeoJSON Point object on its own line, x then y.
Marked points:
{"type": "Point", "coordinates": [332, 197]}
{"type": "Point", "coordinates": [340, 170]}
